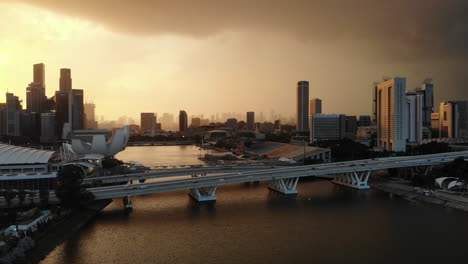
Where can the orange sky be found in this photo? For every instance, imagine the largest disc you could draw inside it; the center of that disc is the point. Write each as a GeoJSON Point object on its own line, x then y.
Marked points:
{"type": "Point", "coordinates": [227, 69]}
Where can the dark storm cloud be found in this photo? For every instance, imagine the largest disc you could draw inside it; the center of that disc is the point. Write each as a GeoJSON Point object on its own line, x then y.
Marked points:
{"type": "Point", "coordinates": [407, 29]}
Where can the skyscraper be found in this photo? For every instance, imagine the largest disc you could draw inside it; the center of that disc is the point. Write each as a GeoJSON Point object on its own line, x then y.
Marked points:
{"type": "Point", "coordinates": [302, 110]}
{"type": "Point", "coordinates": [3, 122]}
{"type": "Point", "coordinates": [183, 121]}
{"type": "Point", "coordinates": [427, 91]}
{"type": "Point", "coordinates": [250, 120]}
{"type": "Point", "coordinates": [415, 103]}
{"type": "Point", "coordinates": [36, 99]}
{"type": "Point", "coordinates": [61, 112]}
{"type": "Point", "coordinates": [39, 74]}
{"type": "Point", "coordinates": [315, 106]}
{"type": "Point", "coordinates": [90, 116]}
{"type": "Point", "coordinates": [147, 123]}
{"type": "Point", "coordinates": [453, 119]}
{"type": "Point", "coordinates": [78, 115]}
{"type": "Point", "coordinates": [13, 115]}
{"type": "Point", "coordinates": [65, 85]}
{"type": "Point", "coordinates": [392, 114]}
{"type": "Point", "coordinates": [48, 131]}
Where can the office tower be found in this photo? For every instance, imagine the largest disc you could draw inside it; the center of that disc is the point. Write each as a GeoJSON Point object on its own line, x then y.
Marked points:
{"type": "Point", "coordinates": [196, 121]}
{"type": "Point", "coordinates": [39, 74]}
{"type": "Point", "coordinates": [415, 102]}
{"type": "Point", "coordinates": [250, 120]}
{"type": "Point", "coordinates": [13, 115]}
{"type": "Point", "coordinates": [65, 85]}
{"type": "Point", "coordinates": [435, 123]}
{"type": "Point", "coordinates": [364, 120]}
{"type": "Point", "coordinates": [90, 114]}
{"type": "Point", "coordinates": [31, 125]}
{"type": "Point", "coordinates": [315, 106]}
{"type": "Point", "coordinates": [427, 91]}
{"type": "Point", "coordinates": [36, 100]}
{"type": "Point", "coordinates": [375, 90]}
{"type": "Point", "coordinates": [453, 121]}
{"type": "Point", "coordinates": [327, 127]}
{"type": "Point", "coordinates": [462, 118]}
{"type": "Point", "coordinates": [302, 111]}
{"type": "Point", "coordinates": [77, 108]}
{"type": "Point", "coordinates": [392, 114]}
{"type": "Point", "coordinates": [147, 123]}
{"type": "Point", "coordinates": [167, 121]}
{"type": "Point", "coordinates": [62, 111]}
{"type": "Point", "coordinates": [183, 121]}
{"type": "Point", "coordinates": [3, 122]}
{"type": "Point", "coordinates": [231, 123]}
{"type": "Point", "coordinates": [48, 129]}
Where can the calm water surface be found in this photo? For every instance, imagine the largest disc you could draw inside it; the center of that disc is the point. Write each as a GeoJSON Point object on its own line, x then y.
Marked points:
{"type": "Point", "coordinates": [324, 223]}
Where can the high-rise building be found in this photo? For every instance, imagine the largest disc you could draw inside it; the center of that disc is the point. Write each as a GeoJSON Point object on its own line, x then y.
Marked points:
{"type": "Point", "coordinates": [435, 123]}
{"type": "Point", "coordinates": [31, 125]}
{"type": "Point", "coordinates": [90, 115]}
{"type": "Point", "coordinates": [415, 102]}
{"type": "Point", "coordinates": [62, 111]}
{"type": "Point", "coordinates": [427, 91]}
{"type": "Point", "coordinates": [392, 114]}
{"type": "Point", "coordinates": [147, 124]}
{"type": "Point", "coordinates": [448, 127]}
{"type": "Point", "coordinates": [302, 110]}
{"type": "Point", "coordinates": [462, 118]}
{"type": "Point", "coordinates": [78, 114]}
{"type": "Point", "coordinates": [13, 115]}
{"type": "Point", "coordinates": [327, 127]}
{"type": "Point", "coordinates": [250, 120]}
{"type": "Point", "coordinates": [65, 85]}
{"type": "Point", "coordinates": [364, 120]}
{"type": "Point", "coordinates": [36, 100]}
{"type": "Point", "coordinates": [39, 74]}
{"type": "Point", "coordinates": [48, 127]}
{"type": "Point", "coordinates": [315, 106]}
{"type": "Point", "coordinates": [183, 121]}
{"type": "Point", "coordinates": [3, 122]}
{"type": "Point", "coordinates": [375, 90]}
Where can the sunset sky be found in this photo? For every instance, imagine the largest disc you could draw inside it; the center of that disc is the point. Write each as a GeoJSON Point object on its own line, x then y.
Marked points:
{"type": "Point", "coordinates": [233, 56]}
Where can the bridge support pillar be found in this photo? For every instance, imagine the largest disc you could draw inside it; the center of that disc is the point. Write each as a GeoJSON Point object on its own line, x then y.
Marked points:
{"type": "Point", "coordinates": [421, 170]}
{"type": "Point", "coordinates": [354, 179]}
{"type": "Point", "coordinates": [284, 186]}
{"type": "Point", "coordinates": [203, 194]}
{"type": "Point", "coordinates": [127, 203]}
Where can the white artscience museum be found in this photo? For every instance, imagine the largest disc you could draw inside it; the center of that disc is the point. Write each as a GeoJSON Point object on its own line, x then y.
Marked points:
{"type": "Point", "coordinates": [99, 145]}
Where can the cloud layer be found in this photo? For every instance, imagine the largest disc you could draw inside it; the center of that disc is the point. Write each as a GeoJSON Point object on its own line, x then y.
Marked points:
{"type": "Point", "coordinates": [406, 29]}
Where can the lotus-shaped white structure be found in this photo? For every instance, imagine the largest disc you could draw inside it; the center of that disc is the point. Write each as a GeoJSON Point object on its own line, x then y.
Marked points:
{"type": "Point", "coordinates": [116, 143]}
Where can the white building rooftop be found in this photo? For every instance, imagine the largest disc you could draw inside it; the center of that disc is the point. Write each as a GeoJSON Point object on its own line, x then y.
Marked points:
{"type": "Point", "coordinates": [20, 155]}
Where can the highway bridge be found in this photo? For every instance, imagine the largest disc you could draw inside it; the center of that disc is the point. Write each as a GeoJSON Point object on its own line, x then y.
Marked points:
{"type": "Point", "coordinates": [282, 179]}
{"type": "Point", "coordinates": [203, 181]}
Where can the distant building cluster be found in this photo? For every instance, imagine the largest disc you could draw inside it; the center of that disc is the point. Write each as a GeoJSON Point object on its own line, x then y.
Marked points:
{"type": "Point", "coordinates": [46, 119]}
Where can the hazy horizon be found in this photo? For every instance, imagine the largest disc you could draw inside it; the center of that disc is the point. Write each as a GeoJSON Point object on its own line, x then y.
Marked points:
{"type": "Point", "coordinates": [225, 56]}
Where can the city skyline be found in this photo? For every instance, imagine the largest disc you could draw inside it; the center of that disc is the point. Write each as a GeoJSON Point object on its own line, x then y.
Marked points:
{"type": "Point", "coordinates": [208, 74]}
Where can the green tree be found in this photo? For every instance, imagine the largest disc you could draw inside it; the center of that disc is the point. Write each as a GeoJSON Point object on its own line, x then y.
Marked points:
{"type": "Point", "coordinates": [69, 188]}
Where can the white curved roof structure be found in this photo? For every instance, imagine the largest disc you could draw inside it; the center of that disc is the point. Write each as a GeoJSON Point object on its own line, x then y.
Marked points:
{"type": "Point", "coordinates": [116, 143]}
{"type": "Point", "coordinates": [20, 155]}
